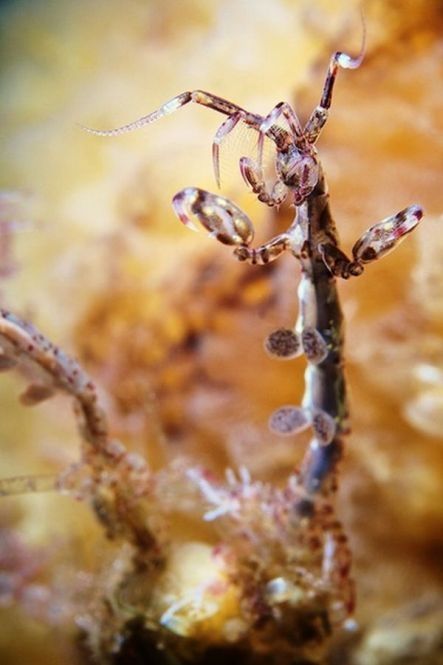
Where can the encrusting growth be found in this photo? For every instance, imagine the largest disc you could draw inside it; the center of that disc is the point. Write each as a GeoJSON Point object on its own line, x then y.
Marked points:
{"type": "Point", "coordinates": [278, 580]}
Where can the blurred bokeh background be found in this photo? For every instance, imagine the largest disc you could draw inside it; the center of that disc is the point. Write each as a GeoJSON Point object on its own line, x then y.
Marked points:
{"type": "Point", "coordinates": [171, 328]}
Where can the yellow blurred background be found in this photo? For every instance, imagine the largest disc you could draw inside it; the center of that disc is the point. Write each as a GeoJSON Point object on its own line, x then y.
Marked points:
{"type": "Point", "coordinates": [170, 327]}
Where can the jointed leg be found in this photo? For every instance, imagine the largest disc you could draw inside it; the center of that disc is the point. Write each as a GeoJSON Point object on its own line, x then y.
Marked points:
{"type": "Point", "coordinates": [198, 97]}
{"type": "Point", "coordinates": [235, 114]}
{"type": "Point", "coordinates": [286, 110]}
{"type": "Point", "coordinates": [383, 237]}
{"type": "Point", "coordinates": [376, 242]}
{"type": "Point", "coordinates": [251, 171]}
{"type": "Point", "coordinates": [222, 218]}
{"type": "Point", "coordinates": [253, 176]}
{"type": "Point", "coordinates": [265, 253]}
{"type": "Point", "coordinates": [319, 116]}
{"type": "Point", "coordinates": [227, 223]}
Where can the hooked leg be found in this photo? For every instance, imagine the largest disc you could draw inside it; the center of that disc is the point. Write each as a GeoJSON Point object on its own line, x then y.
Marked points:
{"type": "Point", "coordinates": [227, 223]}
{"type": "Point", "coordinates": [253, 172]}
{"type": "Point", "coordinates": [383, 237]}
{"type": "Point", "coordinates": [253, 176]}
{"type": "Point", "coordinates": [196, 96]}
{"type": "Point", "coordinates": [286, 110]}
{"type": "Point", "coordinates": [376, 242]}
{"type": "Point", "coordinates": [319, 116]}
{"type": "Point", "coordinates": [222, 218]}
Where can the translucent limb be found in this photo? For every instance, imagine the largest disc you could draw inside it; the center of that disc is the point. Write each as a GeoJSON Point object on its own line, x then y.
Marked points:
{"type": "Point", "coordinates": [253, 176]}
{"type": "Point", "coordinates": [376, 242]}
{"type": "Point", "coordinates": [383, 237]}
{"type": "Point", "coordinates": [338, 61]}
{"type": "Point", "coordinates": [224, 129]}
{"type": "Point", "coordinates": [264, 254]}
{"type": "Point", "coordinates": [28, 484]}
{"type": "Point", "coordinates": [196, 96]}
{"type": "Point", "coordinates": [281, 109]}
{"type": "Point", "coordinates": [222, 218]}
{"type": "Point", "coordinates": [227, 223]}
{"type": "Point", "coordinates": [337, 261]}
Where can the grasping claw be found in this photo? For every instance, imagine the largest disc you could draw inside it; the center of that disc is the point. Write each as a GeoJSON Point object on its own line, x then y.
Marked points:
{"type": "Point", "coordinates": [376, 242]}
{"type": "Point", "coordinates": [253, 176]}
{"type": "Point", "coordinates": [227, 223]}
{"type": "Point", "coordinates": [222, 218]}
{"type": "Point", "coordinates": [381, 238]}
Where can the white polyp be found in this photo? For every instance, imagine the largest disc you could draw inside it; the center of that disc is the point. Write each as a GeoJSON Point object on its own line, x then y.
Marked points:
{"type": "Point", "coordinates": [212, 515]}
{"type": "Point", "coordinates": [223, 501]}
{"type": "Point", "coordinates": [279, 590]}
{"type": "Point", "coordinates": [205, 487]}
{"type": "Point", "coordinates": [230, 477]}
{"type": "Point", "coordinates": [244, 474]}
